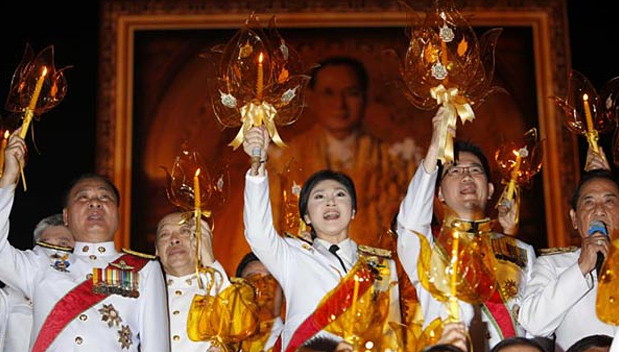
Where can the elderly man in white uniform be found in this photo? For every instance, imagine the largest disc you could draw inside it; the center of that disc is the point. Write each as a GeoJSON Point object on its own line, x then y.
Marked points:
{"type": "Point", "coordinates": [176, 248]}
{"type": "Point", "coordinates": [51, 238]}
{"type": "Point", "coordinates": [95, 298]}
{"type": "Point", "coordinates": [465, 188]}
{"type": "Point", "coordinates": [560, 297]}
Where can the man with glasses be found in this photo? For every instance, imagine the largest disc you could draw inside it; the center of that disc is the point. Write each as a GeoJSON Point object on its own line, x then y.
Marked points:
{"type": "Point", "coordinates": [464, 188]}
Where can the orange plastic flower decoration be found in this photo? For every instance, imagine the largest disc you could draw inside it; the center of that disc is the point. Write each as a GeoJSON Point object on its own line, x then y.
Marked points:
{"type": "Point", "coordinates": [212, 188]}
{"type": "Point", "coordinates": [446, 65]}
{"type": "Point", "coordinates": [225, 319]}
{"type": "Point", "coordinates": [606, 306]}
{"type": "Point", "coordinates": [30, 71]}
{"type": "Point", "coordinates": [445, 51]}
{"type": "Point", "coordinates": [257, 78]}
{"type": "Point", "coordinates": [457, 267]}
{"type": "Point", "coordinates": [584, 111]}
{"type": "Point", "coordinates": [518, 162]}
{"type": "Point", "coordinates": [291, 182]}
{"type": "Point", "coordinates": [609, 98]}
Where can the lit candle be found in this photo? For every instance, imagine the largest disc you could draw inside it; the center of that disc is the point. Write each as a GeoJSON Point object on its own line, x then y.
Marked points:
{"type": "Point", "coordinates": [585, 99]}
{"type": "Point", "coordinates": [260, 78]}
{"type": "Point", "coordinates": [514, 175]}
{"type": "Point", "coordinates": [33, 104]}
{"type": "Point", "coordinates": [5, 140]}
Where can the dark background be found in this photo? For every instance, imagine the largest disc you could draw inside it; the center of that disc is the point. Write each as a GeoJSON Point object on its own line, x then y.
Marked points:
{"type": "Point", "coordinates": [66, 135]}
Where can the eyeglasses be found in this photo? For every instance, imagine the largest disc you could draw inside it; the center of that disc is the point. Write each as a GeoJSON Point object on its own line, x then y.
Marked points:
{"type": "Point", "coordinates": [459, 171]}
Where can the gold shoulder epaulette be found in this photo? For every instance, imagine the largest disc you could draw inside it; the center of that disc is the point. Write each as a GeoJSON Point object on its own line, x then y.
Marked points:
{"type": "Point", "coordinates": [557, 250]}
{"type": "Point", "coordinates": [380, 252]}
{"type": "Point", "coordinates": [139, 254]}
{"type": "Point", "coordinates": [53, 246]}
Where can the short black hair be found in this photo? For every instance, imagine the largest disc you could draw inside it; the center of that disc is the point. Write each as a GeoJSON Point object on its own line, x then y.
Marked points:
{"type": "Point", "coordinates": [518, 341]}
{"type": "Point", "coordinates": [443, 347]}
{"type": "Point", "coordinates": [356, 65]}
{"type": "Point", "coordinates": [320, 176]}
{"type": "Point", "coordinates": [320, 343]}
{"type": "Point", "coordinates": [588, 176]}
{"type": "Point", "coordinates": [88, 176]}
{"type": "Point", "coordinates": [590, 341]}
{"type": "Point", "coordinates": [467, 146]}
{"type": "Point", "coordinates": [247, 258]}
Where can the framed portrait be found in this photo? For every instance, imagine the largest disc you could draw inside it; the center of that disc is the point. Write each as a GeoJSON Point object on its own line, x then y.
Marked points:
{"type": "Point", "coordinates": [153, 97]}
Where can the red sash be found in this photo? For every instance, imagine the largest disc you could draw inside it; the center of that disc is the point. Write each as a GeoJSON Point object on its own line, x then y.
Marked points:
{"type": "Point", "coordinates": [498, 312]}
{"type": "Point", "coordinates": [79, 299]}
{"type": "Point", "coordinates": [336, 303]}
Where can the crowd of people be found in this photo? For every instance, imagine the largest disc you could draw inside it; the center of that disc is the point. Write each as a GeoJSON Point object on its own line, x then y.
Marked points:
{"type": "Point", "coordinates": [323, 290]}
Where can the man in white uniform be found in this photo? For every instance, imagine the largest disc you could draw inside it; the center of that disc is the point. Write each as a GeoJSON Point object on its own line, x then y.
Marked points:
{"type": "Point", "coordinates": [176, 248]}
{"type": "Point", "coordinates": [94, 298]}
{"type": "Point", "coordinates": [464, 187]}
{"type": "Point", "coordinates": [51, 238]}
{"type": "Point", "coordinates": [561, 295]}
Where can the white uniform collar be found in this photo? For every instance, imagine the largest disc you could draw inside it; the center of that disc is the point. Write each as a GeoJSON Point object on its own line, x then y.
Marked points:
{"type": "Point", "coordinates": [180, 281]}
{"type": "Point", "coordinates": [91, 248]}
{"type": "Point", "coordinates": [347, 248]}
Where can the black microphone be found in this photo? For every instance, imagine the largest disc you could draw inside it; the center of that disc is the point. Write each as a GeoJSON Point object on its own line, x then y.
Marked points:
{"type": "Point", "coordinates": [598, 226]}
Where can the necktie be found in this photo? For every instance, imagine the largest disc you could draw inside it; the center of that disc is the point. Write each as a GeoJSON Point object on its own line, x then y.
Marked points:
{"type": "Point", "coordinates": [333, 249]}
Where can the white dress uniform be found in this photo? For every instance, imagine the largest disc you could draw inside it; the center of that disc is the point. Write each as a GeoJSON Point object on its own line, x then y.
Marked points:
{"type": "Point", "coordinates": [16, 323]}
{"type": "Point", "coordinates": [17, 319]}
{"type": "Point", "coordinates": [181, 291]}
{"type": "Point", "coordinates": [416, 215]}
{"type": "Point", "coordinates": [116, 323]}
{"type": "Point", "coordinates": [305, 272]}
{"type": "Point", "coordinates": [559, 300]}
{"type": "Point", "coordinates": [614, 347]}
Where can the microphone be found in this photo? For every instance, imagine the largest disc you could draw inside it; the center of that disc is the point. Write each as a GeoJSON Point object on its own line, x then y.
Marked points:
{"type": "Point", "coordinates": [598, 226]}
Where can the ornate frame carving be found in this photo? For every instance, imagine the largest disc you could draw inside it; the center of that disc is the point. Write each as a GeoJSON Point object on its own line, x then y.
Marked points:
{"type": "Point", "coordinates": [121, 19]}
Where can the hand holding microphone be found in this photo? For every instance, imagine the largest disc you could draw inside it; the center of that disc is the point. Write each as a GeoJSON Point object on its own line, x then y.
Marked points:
{"type": "Point", "coordinates": [597, 228]}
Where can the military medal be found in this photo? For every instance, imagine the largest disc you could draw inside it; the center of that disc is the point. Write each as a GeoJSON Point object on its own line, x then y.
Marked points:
{"type": "Point", "coordinates": [61, 263]}
{"type": "Point", "coordinates": [118, 278]}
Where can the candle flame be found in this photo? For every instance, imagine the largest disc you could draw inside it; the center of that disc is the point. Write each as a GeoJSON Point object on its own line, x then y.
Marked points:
{"type": "Point", "coordinates": [44, 71]}
{"type": "Point", "coordinates": [260, 58]}
{"type": "Point", "coordinates": [6, 134]}
{"type": "Point", "coordinates": [197, 172]}
{"type": "Point", "coordinates": [585, 97]}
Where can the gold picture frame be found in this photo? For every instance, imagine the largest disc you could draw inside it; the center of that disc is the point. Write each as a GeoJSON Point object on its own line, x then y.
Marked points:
{"type": "Point", "coordinates": [120, 116]}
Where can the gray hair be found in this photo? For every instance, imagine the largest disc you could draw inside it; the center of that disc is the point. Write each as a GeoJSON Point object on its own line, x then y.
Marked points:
{"type": "Point", "coordinates": [52, 220]}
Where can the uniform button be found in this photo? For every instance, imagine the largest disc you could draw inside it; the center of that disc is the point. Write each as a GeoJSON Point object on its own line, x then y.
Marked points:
{"type": "Point", "coordinates": [85, 249]}
{"type": "Point", "coordinates": [93, 257]}
{"type": "Point", "coordinates": [176, 312]}
{"type": "Point", "coordinates": [79, 340]}
{"type": "Point", "coordinates": [101, 249]}
{"type": "Point", "coordinates": [178, 292]}
{"type": "Point", "coordinates": [176, 337]}
{"type": "Point", "coordinates": [83, 317]}
{"type": "Point", "coordinates": [188, 282]}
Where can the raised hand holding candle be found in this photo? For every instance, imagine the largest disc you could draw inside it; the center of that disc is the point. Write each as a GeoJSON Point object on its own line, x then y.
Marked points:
{"type": "Point", "coordinates": [591, 133]}
{"type": "Point", "coordinates": [33, 104]}
{"type": "Point", "coordinates": [522, 153]}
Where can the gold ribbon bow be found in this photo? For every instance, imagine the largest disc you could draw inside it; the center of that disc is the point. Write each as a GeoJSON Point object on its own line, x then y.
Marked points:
{"type": "Point", "coordinates": [255, 115]}
{"type": "Point", "coordinates": [455, 105]}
